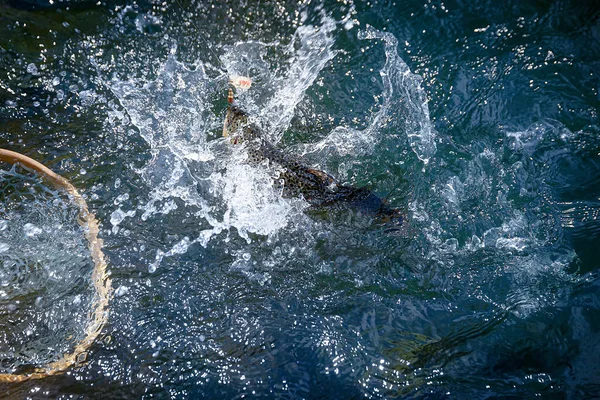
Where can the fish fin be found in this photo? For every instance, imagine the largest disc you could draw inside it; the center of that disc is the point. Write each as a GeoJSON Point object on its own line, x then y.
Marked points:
{"type": "Point", "coordinates": [225, 132]}
{"type": "Point", "coordinates": [322, 175]}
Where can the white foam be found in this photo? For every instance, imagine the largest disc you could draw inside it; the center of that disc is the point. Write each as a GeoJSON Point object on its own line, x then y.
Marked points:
{"type": "Point", "coordinates": [253, 204]}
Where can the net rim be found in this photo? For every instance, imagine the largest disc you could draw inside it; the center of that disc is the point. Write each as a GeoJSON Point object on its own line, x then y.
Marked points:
{"type": "Point", "coordinates": [101, 281]}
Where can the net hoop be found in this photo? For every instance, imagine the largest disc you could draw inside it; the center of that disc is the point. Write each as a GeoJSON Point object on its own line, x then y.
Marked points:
{"type": "Point", "coordinates": [101, 281]}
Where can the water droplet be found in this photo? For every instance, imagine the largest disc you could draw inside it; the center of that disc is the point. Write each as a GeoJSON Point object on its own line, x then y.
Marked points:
{"type": "Point", "coordinates": [121, 290]}
{"type": "Point", "coordinates": [31, 230]}
{"type": "Point", "coordinates": [32, 69]}
{"type": "Point", "coordinates": [117, 216]}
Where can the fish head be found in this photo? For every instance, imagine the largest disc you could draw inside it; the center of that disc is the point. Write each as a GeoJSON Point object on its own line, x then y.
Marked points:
{"type": "Point", "coordinates": [235, 120]}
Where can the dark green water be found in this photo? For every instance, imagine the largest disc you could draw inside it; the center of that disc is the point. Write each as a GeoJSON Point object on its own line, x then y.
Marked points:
{"type": "Point", "coordinates": [479, 118]}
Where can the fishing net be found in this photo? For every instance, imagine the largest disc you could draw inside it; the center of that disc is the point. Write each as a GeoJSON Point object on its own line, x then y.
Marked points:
{"type": "Point", "coordinates": [53, 285]}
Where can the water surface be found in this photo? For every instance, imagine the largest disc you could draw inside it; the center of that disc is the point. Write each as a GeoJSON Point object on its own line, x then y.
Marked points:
{"type": "Point", "coordinates": [477, 119]}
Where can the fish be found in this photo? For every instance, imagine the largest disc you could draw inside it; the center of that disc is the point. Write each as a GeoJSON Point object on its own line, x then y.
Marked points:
{"type": "Point", "coordinates": [296, 178]}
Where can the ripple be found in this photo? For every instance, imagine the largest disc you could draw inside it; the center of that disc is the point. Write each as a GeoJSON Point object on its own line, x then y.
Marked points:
{"type": "Point", "coordinates": [478, 119]}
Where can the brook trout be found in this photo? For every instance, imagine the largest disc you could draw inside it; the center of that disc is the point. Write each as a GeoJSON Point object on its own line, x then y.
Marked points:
{"type": "Point", "coordinates": [318, 188]}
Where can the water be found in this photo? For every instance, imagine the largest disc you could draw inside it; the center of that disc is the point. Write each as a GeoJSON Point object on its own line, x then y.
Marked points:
{"type": "Point", "coordinates": [45, 288]}
{"type": "Point", "coordinates": [480, 120]}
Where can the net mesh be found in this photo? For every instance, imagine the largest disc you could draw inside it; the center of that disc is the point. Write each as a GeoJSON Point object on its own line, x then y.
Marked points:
{"type": "Point", "coordinates": [46, 290]}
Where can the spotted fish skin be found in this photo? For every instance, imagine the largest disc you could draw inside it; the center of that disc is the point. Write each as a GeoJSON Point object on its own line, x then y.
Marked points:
{"type": "Point", "coordinates": [317, 187]}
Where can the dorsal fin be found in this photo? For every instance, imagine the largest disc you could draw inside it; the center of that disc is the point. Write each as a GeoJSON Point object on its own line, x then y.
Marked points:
{"type": "Point", "coordinates": [322, 175]}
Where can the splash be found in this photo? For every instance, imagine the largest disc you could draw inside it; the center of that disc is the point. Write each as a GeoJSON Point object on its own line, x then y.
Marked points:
{"type": "Point", "coordinates": [282, 89]}
{"type": "Point", "coordinates": [403, 94]}
{"type": "Point", "coordinates": [174, 115]}
{"type": "Point", "coordinates": [493, 210]}
{"type": "Point", "coordinates": [314, 52]}
{"type": "Point", "coordinates": [404, 111]}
